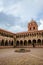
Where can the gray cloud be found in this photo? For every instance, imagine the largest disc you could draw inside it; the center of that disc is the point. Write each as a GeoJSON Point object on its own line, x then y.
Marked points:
{"type": "Point", "coordinates": [12, 23]}
{"type": "Point", "coordinates": [7, 3]}
{"type": "Point", "coordinates": [5, 19]}
{"type": "Point", "coordinates": [17, 13]}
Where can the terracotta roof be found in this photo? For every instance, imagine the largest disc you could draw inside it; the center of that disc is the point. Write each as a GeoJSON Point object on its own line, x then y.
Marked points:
{"type": "Point", "coordinates": [30, 32]}
{"type": "Point", "coordinates": [22, 32]}
{"type": "Point", "coordinates": [6, 31]}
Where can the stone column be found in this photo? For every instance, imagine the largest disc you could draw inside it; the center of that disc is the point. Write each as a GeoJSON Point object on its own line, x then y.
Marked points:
{"type": "Point", "coordinates": [4, 42]}
{"type": "Point", "coordinates": [23, 43]}
{"type": "Point", "coordinates": [0, 43]}
{"type": "Point", "coordinates": [27, 44]}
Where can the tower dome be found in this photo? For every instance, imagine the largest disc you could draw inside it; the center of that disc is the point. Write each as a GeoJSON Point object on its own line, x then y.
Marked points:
{"type": "Point", "coordinates": [32, 26]}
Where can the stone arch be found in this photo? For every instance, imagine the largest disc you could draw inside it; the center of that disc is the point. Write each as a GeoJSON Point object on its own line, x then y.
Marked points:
{"type": "Point", "coordinates": [29, 42]}
{"type": "Point", "coordinates": [2, 42]}
{"type": "Point", "coordinates": [39, 41]}
{"type": "Point", "coordinates": [6, 43]}
{"type": "Point", "coordinates": [12, 43]}
{"type": "Point", "coordinates": [21, 43]}
{"type": "Point", "coordinates": [25, 42]}
{"type": "Point", "coordinates": [42, 42]}
{"type": "Point", "coordinates": [33, 42]}
{"type": "Point", "coordinates": [17, 43]}
{"type": "Point", "coordinates": [9, 42]}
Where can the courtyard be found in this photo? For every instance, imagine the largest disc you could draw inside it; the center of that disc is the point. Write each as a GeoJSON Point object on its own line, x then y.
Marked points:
{"type": "Point", "coordinates": [10, 57]}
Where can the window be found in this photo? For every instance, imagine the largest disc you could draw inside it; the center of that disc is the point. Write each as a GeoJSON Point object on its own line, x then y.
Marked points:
{"type": "Point", "coordinates": [33, 28]}
{"type": "Point", "coordinates": [30, 28]}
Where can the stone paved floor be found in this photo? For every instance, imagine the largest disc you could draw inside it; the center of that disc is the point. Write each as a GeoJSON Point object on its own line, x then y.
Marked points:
{"type": "Point", "coordinates": [9, 57]}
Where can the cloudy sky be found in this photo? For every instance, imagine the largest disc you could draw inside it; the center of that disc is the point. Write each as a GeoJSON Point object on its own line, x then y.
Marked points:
{"type": "Point", "coordinates": [15, 14]}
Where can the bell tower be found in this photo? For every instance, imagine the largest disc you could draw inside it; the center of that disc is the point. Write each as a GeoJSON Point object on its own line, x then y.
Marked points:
{"type": "Point", "coordinates": [32, 26]}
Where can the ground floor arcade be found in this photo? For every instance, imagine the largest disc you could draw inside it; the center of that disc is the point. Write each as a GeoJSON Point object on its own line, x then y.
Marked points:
{"type": "Point", "coordinates": [29, 42]}
{"type": "Point", "coordinates": [6, 42]}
